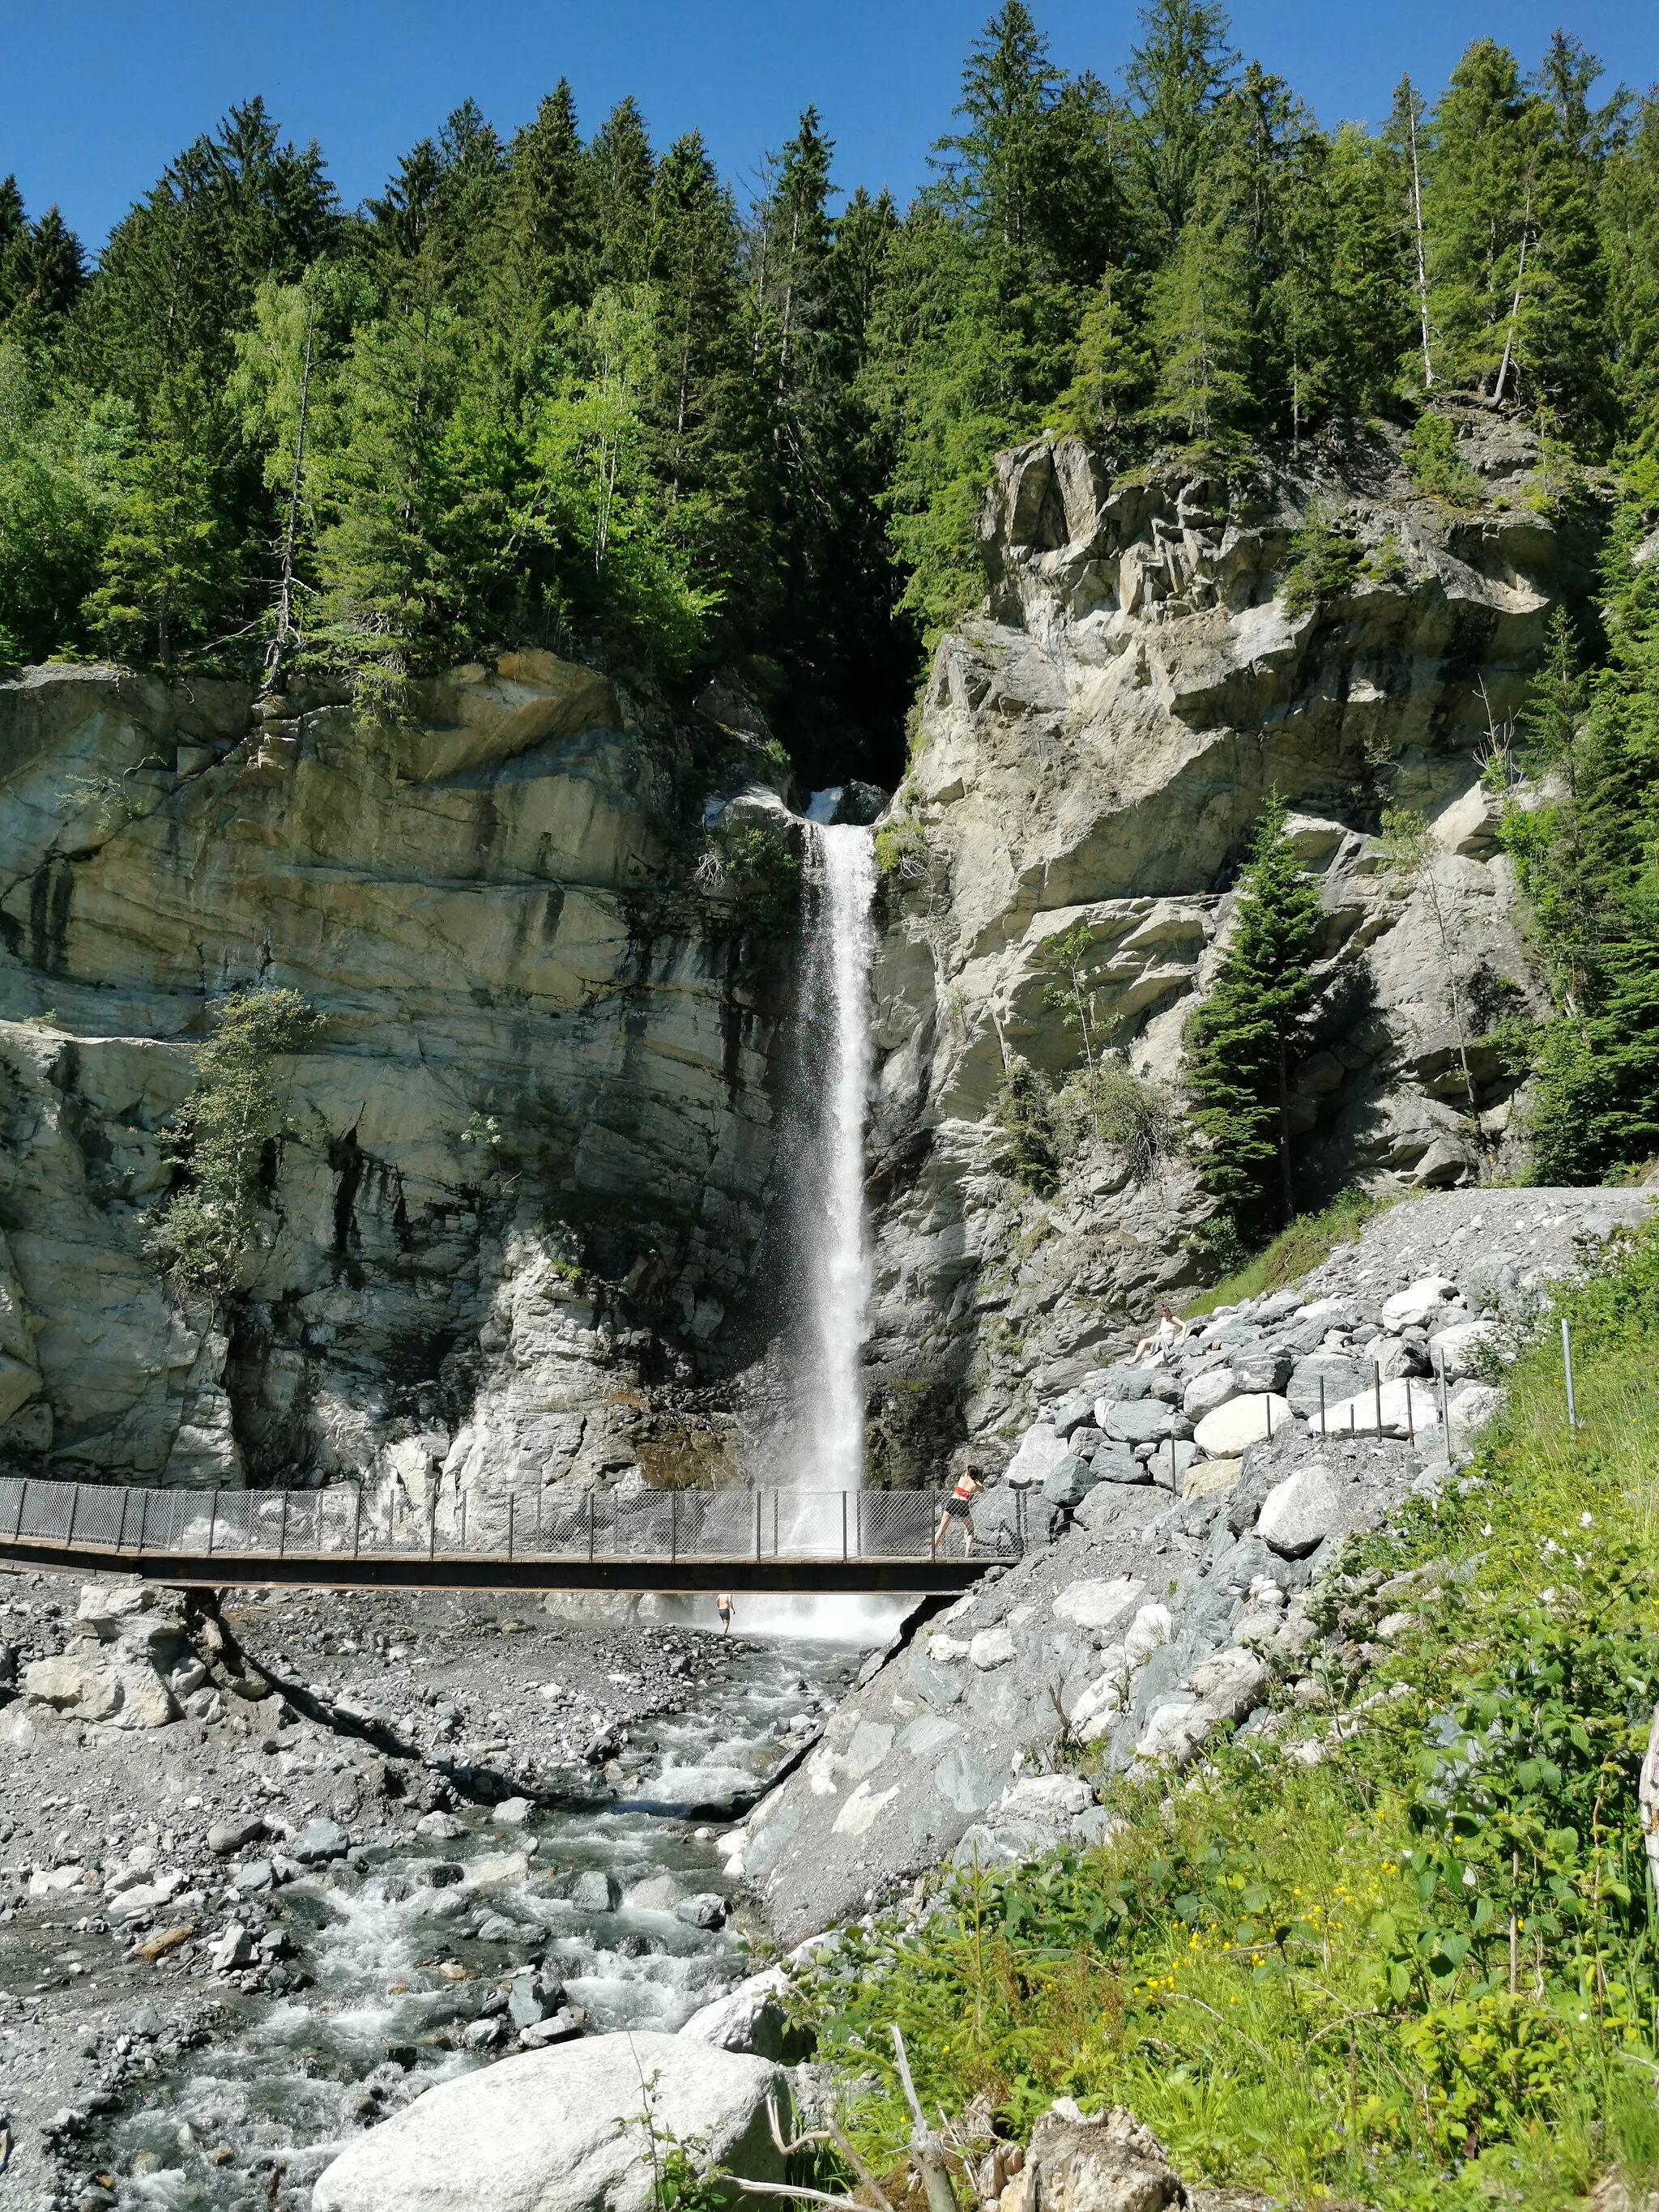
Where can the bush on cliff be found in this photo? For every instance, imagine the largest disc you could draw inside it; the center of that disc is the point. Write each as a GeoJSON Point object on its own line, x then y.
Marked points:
{"type": "Point", "coordinates": [1423, 1970]}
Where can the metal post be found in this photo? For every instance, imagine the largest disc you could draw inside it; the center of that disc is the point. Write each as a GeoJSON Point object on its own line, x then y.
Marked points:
{"type": "Point", "coordinates": [511, 1501]}
{"type": "Point", "coordinates": [1267, 1413]}
{"type": "Point", "coordinates": [1445, 1410]}
{"type": "Point", "coordinates": [932, 1541]}
{"type": "Point", "coordinates": [539, 1516]}
{"type": "Point", "coordinates": [463, 1520]}
{"type": "Point", "coordinates": [1411, 1416]}
{"type": "Point", "coordinates": [74, 1507]}
{"type": "Point", "coordinates": [22, 1496]}
{"type": "Point", "coordinates": [590, 1527]}
{"type": "Point", "coordinates": [1322, 1409]}
{"type": "Point", "coordinates": [144, 1518]}
{"type": "Point", "coordinates": [213, 1517]}
{"type": "Point", "coordinates": [673, 1524]}
{"type": "Point", "coordinates": [1566, 1362]}
{"type": "Point", "coordinates": [357, 1522]}
{"type": "Point", "coordinates": [757, 1531]}
{"type": "Point", "coordinates": [121, 1533]}
{"type": "Point", "coordinates": [281, 1529]}
{"type": "Point", "coordinates": [843, 1525]}
{"type": "Point", "coordinates": [774, 1524]}
{"type": "Point", "coordinates": [1377, 1384]}
{"type": "Point", "coordinates": [1019, 1519]}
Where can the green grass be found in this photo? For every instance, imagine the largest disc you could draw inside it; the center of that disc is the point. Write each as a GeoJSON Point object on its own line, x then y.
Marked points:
{"type": "Point", "coordinates": [1425, 1970]}
{"type": "Point", "coordinates": [1310, 1238]}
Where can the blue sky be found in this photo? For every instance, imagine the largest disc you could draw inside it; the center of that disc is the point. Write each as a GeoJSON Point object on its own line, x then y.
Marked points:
{"type": "Point", "coordinates": [96, 95]}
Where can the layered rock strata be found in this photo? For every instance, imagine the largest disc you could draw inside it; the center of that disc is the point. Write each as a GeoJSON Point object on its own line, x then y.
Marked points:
{"type": "Point", "coordinates": [524, 1169]}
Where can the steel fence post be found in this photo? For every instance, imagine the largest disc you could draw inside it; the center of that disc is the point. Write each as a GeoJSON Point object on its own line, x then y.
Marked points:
{"type": "Point", "coordinates": [74, 1507]}
{"type": "Point", "coordinates": [23, 1498]}
{"type": "Point", "coordinates": [1566, 1369]}
{"type": "Point", "coordinates": [213, 1521]}
{"type": "Point", "coordinates": [512, 1501]}
{"type": "Point", "coordinates": [357, 1522]}
{"type": "Point", "coordinates": [1321, 1409]}
{"type": "Point", "coordinates": [843, 1527]}
{"type": "Point", "coordinates": [282, 1529]}
{"type": "Point", "coordinates": [590, 1528]}
{"type": "Point", "coordinates": [143, 1521]}
{"type": "Point", "coordinates": [757, 1528]}
{"type": "Point", "coordinates": [1376, 1385]}
{"type": "Point", "coordinates": [121, 1532]}
{"type": "Point", "coordinates": [673, 1525]}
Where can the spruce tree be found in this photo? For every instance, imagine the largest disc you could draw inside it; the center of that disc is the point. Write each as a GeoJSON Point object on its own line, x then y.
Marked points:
{"type": "Point", "coordinates": [1242, 1039]}
{"type": "Point", "coordinates": [162, 574]}
{"type": "Point", "coordinates": [1176, 77]}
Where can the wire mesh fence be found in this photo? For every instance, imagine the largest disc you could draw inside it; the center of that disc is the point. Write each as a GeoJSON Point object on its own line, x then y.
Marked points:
{"type": "Point", "coordinates": [521, 1524]}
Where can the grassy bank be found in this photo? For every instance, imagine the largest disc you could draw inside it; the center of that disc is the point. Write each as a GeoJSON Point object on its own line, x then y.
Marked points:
{"type": "Point", "coordinates": [1295, 1251]}
{"type": "Point", "coordinates": [1426, 1966]}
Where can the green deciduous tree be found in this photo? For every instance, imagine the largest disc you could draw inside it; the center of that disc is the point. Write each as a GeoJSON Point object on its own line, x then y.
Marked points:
{"type": "Point", "coordinates": [1244, 1035]}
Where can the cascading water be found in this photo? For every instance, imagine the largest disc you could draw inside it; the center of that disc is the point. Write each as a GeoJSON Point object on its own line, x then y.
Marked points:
{"type": "Point", "coordinates": [834, 1253]}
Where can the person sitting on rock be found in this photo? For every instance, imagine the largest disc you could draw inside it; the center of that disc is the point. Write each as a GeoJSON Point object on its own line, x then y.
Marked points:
{"type": "Point", "coordinates": [960, 1506]}
{"type": "Point", "coordinates": [1152, 1351]}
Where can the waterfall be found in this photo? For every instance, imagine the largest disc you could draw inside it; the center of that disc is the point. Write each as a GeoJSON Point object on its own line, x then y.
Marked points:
{"type": "Point", "coordinates": [835, 1253]}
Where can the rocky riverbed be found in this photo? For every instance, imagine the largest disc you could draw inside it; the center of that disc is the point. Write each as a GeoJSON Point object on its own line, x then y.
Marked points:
{"type": "Point", "coordinates": [450, 1829]}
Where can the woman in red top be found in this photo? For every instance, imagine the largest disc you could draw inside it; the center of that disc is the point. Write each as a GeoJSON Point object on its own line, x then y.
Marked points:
{"type": "Point", "coordinates": [960, 1506]}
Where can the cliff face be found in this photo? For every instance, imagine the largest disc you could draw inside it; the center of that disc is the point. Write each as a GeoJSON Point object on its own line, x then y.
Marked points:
{"type": "Point", "coordinates": [493, 906]}
{"type": "Point", "coordinates": [476, 904]}
{"type": "Point", "coordinates": [1094, 749]}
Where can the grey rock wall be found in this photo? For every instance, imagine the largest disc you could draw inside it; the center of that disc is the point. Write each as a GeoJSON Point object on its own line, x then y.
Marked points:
{"type": "Point", "coordinates": [1095, 746]}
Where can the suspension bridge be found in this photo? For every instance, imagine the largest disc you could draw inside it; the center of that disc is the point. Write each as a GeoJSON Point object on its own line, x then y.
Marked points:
{"type": "Point", "coordinates": [804, 1541]}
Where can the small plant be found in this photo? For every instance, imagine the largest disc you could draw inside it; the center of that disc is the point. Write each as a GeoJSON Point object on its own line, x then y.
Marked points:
{"type": "Point", "coordinates": [220, 1134]}
{"type": "Point", "coordinates": [902, 848]}
{"type": "Point", "coordinates": [484, 1132]}
{"type": "Point", "coordinates": [1071, 995]}
{"type": "Point", "coordinates": [1322, 565]}
{"type": "Point", "coordinates": [107, 799]}
{"type": "Point", "coordinates": [757, 876]}
{"type": "Point", "coordinates": [1435, 466]}
{"type": "Point", "coordinates": [1386, 564]}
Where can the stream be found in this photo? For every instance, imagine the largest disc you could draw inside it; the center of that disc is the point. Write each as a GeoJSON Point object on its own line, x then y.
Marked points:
{"type": "Point", "coordinates": [402, 1966]}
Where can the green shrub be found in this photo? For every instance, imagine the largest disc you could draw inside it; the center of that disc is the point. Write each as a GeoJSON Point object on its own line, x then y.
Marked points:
{"type": "Point", "coordinates": [902, 848]}
{"type": "Point", "coordinates": [218, 1136]}
{"type": "Point", "coordinates": [1023, 1108]}
{"type": "Point", "coordinates": [1310, 1238]}
{"type": "Point", "coordinates": [1112, 1106]}
{"type": "Point", "coordinates": [1435, 466]}
{"type": "Point", "coordinates": [1322, 564]}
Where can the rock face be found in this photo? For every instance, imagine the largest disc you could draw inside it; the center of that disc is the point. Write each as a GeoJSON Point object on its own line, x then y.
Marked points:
{"type": "Point", "coordinates": [564, 2130]}
{"type": "Point", "coordinates": [1095, 747]}
{"type": "Point", "coordinates": [480, 904]}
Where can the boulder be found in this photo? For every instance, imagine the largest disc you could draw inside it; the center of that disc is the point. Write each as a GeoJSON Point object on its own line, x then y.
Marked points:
{"type": "Point", "coordinates": [106, 1609]}
{"type": "Point", "coordinates": [1207, 1391]}
{"type": "Point", "coordinates": [1267, 1369]}
{"type": "Point", "coordinates": [1300, 1512]}
{"type": "Point", "coordinates": [1469, 1408]}
{"type": "Point", "coordinates": [1116, 1462]}
{"type": "Point", "coordinates": [1107, 2164]}
{"type": "Point", "coordinates": [1492, 1284]}
{"type": "Point", "coordinates": [69, 1685]}
{"type": "Point", "coordinates": [1069, 1481]}
{"type": "Point", "coordinates": [1231, 1684]}
{"type": "Point", "coordinates": [706, 1910]}
{"type": "Point", "coordinates": [1339, 1376]}
{"type": "Point", "coordinates": [1225, 1434]}
{"type": "Point", "coordinates": [225, 1837]}
{"type": "Point", "coordinates": [596, 1891]}
{"type": "Point", "coordinates": [1100, 1606]}
{"type": "Point", "coordinates": [1210, 1477]}
{"type": "Point", "coordinates": [1456, 1352]}
{"type": "Point", "coordinates": [1134, 1421]}
{"type": "Point", "coordinates": [752, 2018]}
{"type": "Point", "coordinates": [1419, 1302]}
{"type": "Point", "coordinates": [1407, 1408]}
{"type": "Point", "coordinates": [564, 2130]}
{"type": "Point", "coordinates": [320, 1840]}
{"type": "Point", "coordinates": [1039, 1452]}
{"type": "Point", "coordinates": [1120, 1385]}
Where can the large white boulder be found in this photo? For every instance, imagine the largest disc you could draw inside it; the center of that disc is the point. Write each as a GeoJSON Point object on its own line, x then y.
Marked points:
{"type": "Point", "coordinates": [1100, 1606]}
{"type": "Point", "coordinates": [1225, 1434]}
{"type": "Point", "coordinates": [1040, 1452]}
{"type": "Point", "coordinates": [564, 2130]}
{"type": "Point", "coordinates": [1417, 1302]}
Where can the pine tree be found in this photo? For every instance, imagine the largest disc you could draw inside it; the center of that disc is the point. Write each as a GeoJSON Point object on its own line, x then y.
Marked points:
{"type": "Point", "coordinates": [162, 570]}
{"type": "Point", "coordinates": [619, 168]}
{"type": "Point", "coordinates": [1410, 141]}
{"type": "Point", "coordinates": [1177, 77]}
{"type": "Point", "coordinates": [1198, 317]}
{"type": "Point", "coordinates": [1242, 1037]}
{"type": "Point", "coordinates": [1628, 210]}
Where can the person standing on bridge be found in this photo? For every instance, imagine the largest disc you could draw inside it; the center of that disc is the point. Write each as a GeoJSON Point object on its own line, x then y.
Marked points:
{"type": "Point", "coordinates": [960, 1506]}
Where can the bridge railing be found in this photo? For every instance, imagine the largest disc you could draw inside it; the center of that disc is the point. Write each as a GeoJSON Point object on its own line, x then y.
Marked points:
{"type": "Point", "coordinates": [523, 1523]}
